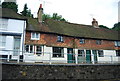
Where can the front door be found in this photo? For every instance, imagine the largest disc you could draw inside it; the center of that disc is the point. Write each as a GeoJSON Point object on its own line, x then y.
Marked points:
{"type": "Point", "coordinates": [16, 50]}
{"type": "Point", "coordinates": [88, 56]}
{"type": "Point", "coordinates": [95, 55]}
{"type": "Point", "coordinates": [70, 56]}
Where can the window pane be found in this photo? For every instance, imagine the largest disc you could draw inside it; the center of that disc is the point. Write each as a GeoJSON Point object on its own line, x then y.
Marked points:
{"type": "Point", "coordinates": [100, 53]}
{"type": "Point", "coordinates": [117, 52]}
{"type": "Point", "coordinates": [116, 43]}
{"type": "Point", "coordinates": [2, 41]}
{"type": "Point", "coordinates": [58, 52]}
{"type": "Point", "coordinates": [37, 35]}
{"type": "Point", "coordinates": [33, 35]}
{"type": "Point", "coordinates": [60, 39]}
{"type": "Point", "coordinates": [31, 48]}
{"type": "Point", "coordinates": [81, 53]}
{"type": "Point", "coordinates": [27, 48]}
{"type": "Point", "coordinates": [3, 23]}
{"type": "Point", "coordinates": [38, 49]}
{"type": "Point", "coordinates": [98, 42]}
{"type": "Point", "coordinates": [82, 41]}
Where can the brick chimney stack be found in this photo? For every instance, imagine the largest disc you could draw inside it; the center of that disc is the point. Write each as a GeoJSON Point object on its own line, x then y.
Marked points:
{"type": "Point", "coordinates": [39, 14]}
{"type": "Point", "coordinates": [95, 23]}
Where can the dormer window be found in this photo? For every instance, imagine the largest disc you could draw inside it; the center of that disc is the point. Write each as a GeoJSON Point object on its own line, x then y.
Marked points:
{"type": "Point", "coordinates": [35, 36]}
{"type": "Point", "coordinates": [82, 41]}
{"type": "Point", "coordinates": [60, 39]}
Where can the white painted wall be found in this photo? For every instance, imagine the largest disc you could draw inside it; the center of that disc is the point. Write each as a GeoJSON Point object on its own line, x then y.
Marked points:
{"type": "Point", "coordinates": [46, 56]}
{"type": "Point", "coordinates": [109, 56]}
{"type": "Point", "coordinates": [14, 26]}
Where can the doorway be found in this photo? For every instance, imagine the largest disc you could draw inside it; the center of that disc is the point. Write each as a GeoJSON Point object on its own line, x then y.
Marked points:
{"type": "Point", "coordinates": [16, 50]}
{"type": "Point", "coordinates": [88, 56]}
{"type": "Point", "coordinates": [95, 55]}
{"type": "Point", "coordinates": [70, 55]}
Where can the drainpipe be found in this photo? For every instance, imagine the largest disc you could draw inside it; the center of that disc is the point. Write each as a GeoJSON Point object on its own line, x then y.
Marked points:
{"type": "Point", "coordinates": [23, 41]}
{"type": "Point", "coordinates": [74, 46]}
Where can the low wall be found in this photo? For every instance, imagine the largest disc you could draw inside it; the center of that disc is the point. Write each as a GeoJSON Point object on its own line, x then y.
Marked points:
{"type": "Point", "coordinates": [37, 71]}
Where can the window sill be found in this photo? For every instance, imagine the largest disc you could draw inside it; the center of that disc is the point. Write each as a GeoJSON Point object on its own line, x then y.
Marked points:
{"type": "Point", "coordinates": [57, 57]}
{"type": "Point", "coordinates": [82, 43]}
{"type": "Point", "coordinates": [2, 47]}
{"type": "Point", "coordinates": [34, 39]}
{"type": "Point", "coordinates": [61, 41]}
{"type": "Point", "coordinates": [117, 46]}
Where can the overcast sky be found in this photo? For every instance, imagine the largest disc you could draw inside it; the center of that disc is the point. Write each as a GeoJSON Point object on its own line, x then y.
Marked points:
{"type": "Point", "coordinates": [77, 11]}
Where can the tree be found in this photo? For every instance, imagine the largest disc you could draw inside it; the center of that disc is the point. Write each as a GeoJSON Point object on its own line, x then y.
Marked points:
{"type": "Point", "coordinates": [10, 5]}
{"type": "Point", "coordinates": [116, 26]}
{"type": "Point", "coordinates": [45, 16]}
{"type": "Point", "coordinates": [102, 26]}
{"type": "Point", "coordinates": [26, 11]}
{"type": "Point", "coordinates": [55, 16]}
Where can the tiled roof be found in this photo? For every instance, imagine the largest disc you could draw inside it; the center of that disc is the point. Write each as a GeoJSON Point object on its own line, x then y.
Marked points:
{"type": "Point", "coordinates": [9, 13]}
{"type": "Point", "coordinates": [64, 28]}
{"type": "Point", "coordinates": [71, 29]}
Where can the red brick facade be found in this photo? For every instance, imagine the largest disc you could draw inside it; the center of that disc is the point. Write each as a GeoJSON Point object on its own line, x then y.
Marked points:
{"type": "Point", "coordinates": [69, 42]}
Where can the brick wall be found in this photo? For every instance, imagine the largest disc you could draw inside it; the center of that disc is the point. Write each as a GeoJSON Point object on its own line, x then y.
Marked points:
{"type": "Point", "coordinates": [70, 42]}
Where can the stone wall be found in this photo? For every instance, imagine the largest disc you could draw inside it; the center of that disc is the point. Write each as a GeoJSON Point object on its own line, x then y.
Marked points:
{"type": "Point", "coordinates": [38, 71]}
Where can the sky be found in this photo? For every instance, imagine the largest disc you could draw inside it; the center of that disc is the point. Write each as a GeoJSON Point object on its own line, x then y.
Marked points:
{"type": "Point", "coordinates": [77, 11]}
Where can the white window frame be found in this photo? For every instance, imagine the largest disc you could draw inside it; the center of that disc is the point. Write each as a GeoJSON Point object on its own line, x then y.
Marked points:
{"type": "Point", "coordinates": [60, 38]}
{"type": "Point", "coordinates": [58, 54]}
{"type": "Point", "coordinates": [34, 49]}
{"type": "Point", "coordinates": [35, 38]}
{"type": "Point", "coordinates": [82, 41]}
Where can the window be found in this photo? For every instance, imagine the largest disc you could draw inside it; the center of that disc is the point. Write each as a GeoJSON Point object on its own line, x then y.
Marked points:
{"type": "Point", "coordinates": [60, 39]}
{"type": "Point", "coordinates": [117, 43]}
{"type": "Point", "coordinates": [38, 50]}
{"type": "Point", "coordinates": [100, 53]}
{"type": "Point", "coordinates": [27, 48]}
{"type": "Point", "coordinates": [2, 41]}
{"type": "Point", "coordinates": [82, 41]}
{"type": "Point", "coordinates": [81, 53]}
{"type": "Point", "coordinates": [33, 49]}
{"type": "Point", "coordinates": [58, 52]}
{"type": "Point", "coordinates": [98, 42]}
{"type": "Point", "coordinates": [117, 52]}
{"type": "Point", "coordinates": [3, 24]}
{"type": "Point", "coordinates": [35, 36]}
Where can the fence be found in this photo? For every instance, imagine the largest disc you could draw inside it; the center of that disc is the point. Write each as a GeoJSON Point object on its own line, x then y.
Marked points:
{"type": "Point", "coordinates": [55, 58]}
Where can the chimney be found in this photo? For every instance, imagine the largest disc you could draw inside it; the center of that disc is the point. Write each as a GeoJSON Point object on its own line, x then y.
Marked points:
{"type": "Point", "coordinates": [95, 23]}
{"type": "Point", "coordinates": [39, 14]}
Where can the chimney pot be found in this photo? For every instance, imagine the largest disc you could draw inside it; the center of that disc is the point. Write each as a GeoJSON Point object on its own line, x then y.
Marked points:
{"type": "Point", "coordinates": [40, 5]}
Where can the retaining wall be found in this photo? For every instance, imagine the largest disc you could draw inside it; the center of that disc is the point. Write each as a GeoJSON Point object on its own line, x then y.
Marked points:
{"type": "Point", "coordinates": [38, 71]}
